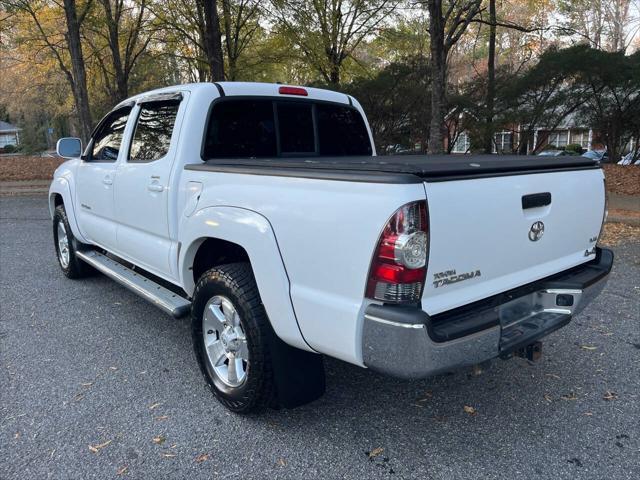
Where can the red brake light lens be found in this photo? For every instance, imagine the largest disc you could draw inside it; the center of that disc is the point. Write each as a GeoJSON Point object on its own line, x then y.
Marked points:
{"type": "Point", "coordinates": [399, 267]}
{"type": "Point", "coordinates": [292, 91]}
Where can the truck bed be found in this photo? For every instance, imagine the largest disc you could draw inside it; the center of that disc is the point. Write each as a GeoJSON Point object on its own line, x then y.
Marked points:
{"type": "Point", "coordinates": [397, 168]}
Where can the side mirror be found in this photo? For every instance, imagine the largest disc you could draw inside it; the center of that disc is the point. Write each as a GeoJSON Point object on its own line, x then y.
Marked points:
{"type": "Point", "coordinates": [69, 147]}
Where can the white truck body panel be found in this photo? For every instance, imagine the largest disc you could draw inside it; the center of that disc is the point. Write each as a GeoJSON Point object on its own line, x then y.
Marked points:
{"type": "Point", "coordinates": [480, 225]}
{"type": "Point", "coordinates": [310, 240]}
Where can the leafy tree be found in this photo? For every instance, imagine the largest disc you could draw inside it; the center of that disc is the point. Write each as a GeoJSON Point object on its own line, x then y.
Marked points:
{"type": "Point", "coordinates": [328, 32]}
{"type": "Point", "coordinates": [612, 103]}
{"type": "Point", "coordinates": [397, 103]}
{"type": "Point", "coordinates": [64, 45]}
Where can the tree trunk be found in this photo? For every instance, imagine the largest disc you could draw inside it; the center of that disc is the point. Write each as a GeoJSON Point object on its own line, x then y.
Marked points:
{"type": "Point", "coordinates": [213, 40]}
{"type": "Point", "coordinates": [79, 87]}
{"type": "Point", "coordinates": [491, 80]}
{"type": "Point", "coordinates": [122, 87]}
{"type": "Point", "coordinates": [334, 74]}
{"type": "Point", "coordinates": [228, 41]}
{"type": "Point", "coordinates": [438, 78]}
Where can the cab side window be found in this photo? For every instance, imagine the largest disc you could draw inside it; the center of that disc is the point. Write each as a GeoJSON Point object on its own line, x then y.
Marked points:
{"type": "Point", "coordinates": [152, 136]}
{"type": "Point", "coordinates": [108, 137]}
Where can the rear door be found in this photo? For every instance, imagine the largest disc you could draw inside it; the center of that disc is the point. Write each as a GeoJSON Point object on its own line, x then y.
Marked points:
{"type": "Point", "coordinates": [490, 235]}
{"type": "Point", "coordinates": [142, 188]}
{"type": "Point", "coordinates": [96, 177]}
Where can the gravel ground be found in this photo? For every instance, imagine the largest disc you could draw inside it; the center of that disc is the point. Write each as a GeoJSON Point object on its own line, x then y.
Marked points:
{"type": "Point", "coordinates": [96, 383]}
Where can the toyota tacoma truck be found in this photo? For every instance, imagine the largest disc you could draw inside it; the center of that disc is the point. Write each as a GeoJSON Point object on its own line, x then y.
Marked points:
{"type": "Point", "coordinates": [263, 212]}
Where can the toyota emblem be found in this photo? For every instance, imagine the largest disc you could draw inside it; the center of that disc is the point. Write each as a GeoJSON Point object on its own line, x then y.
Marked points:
{"type": "Point", "coordinates": [536, 231]}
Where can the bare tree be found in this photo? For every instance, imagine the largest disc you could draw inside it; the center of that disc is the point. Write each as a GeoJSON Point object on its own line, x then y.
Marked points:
{"type": "Point", "coordinates": [122, 27]}
{"type": "Point", "coordinates": [447, 23]}
{"type": "Point", "coordinates": [328, 31]}
{"type": "Point", "coordinates": [212, 38]}
{"type": "Point", "coordinates": [240, 19]}
{"type": "Point", "coordinates": [192, 31]}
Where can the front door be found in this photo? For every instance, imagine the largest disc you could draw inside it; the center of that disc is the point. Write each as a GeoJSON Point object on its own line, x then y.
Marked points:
{"type": "Point", "coordinates": [142, 191]}
{"type": "Point", "coordinates": [96, 177]}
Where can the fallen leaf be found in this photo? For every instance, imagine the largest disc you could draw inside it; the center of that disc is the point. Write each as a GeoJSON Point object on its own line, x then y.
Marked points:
{"type": "Point", "coordinates": [97, 448]}
{"type": "Point", "coordinates": [169, 455]}
{"type": "Point", "coordinates": [427, 395]}
{"type": "Point", "coordinates": [88, 384]}
{"type": "Point", "coordinates": [548, 398]}
{"type": "Point", "coordinates": [159, 440]}
{"type": "Point", "coordinates": [610, 395]}
{"type": "Point", "coordinates": [113, 368]}
{"type": "Point", "coordinates": [282, 462]}
{"type": "Point", "coordinates": [569, 396]}
{"type": "Point", "coordinates": [161, 417]}
{"type": "Point", "coordinates": [589, 414]}
{"type": "Point", "coordinates": [470, 410]}
{"type": "Point", "coordinates": [552, 375]}
{"type": "Point", "coordinates": [16, 435]}
{"type": "Point", "coordinates": [588, 347]}
{"type": "Point", "coordinates": [201, 458]}
{"type": "Point", "coordinates": [122, 470]}
{"type": "Point", "coordinates": [375, 452]}
{"type": "Point", "coordinates": [155, 405]}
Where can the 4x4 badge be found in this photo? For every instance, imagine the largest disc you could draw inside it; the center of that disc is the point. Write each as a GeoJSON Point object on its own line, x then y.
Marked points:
{"type": "Point", "coordinates": [536, 231]}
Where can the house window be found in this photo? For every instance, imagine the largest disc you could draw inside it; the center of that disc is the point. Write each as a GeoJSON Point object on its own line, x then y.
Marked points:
{"type": "Point", "coordinates": [502, 142]}
{"type": "Point", "coordinates": [559, 139]}
{"type": "Point", "coordinates": [582, 138]}
{"type": "Point", "coordinates": [7, 139]}
{"type": "Point", "coordinates": [463, 143]}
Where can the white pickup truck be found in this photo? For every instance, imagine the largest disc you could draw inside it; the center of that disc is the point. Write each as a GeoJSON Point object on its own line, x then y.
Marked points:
{"type": "Point", "coordinates": [262, 211]}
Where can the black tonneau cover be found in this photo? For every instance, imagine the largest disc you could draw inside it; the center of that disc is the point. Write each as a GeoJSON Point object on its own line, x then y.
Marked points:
{"type": "Point", "coordinates": [398, 168]}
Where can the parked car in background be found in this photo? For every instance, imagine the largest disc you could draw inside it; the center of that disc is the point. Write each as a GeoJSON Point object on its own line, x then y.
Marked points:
{"type": "Point", "coordinates": [263, 212]}
{"type": "Point", "coordinates": [600, 155]}
{"type": "Point", "coordinates": [557, 153]}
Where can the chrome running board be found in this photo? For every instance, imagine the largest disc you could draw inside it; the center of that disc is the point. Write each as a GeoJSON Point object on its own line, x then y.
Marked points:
{"type": "Point", "coordinates": [160, 296]}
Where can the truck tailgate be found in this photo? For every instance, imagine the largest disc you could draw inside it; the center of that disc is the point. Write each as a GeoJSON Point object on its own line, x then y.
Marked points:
{"type": "Point", "coordinates": [489, 235]}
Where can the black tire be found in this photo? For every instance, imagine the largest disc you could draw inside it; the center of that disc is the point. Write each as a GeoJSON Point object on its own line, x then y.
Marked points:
{"type": "Point", "coordinates": [74, 268]}
{"type": "Point", "coordinates": [235, 281]}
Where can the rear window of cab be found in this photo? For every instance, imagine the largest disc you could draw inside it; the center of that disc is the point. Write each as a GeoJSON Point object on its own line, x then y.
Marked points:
{"type": "Point", "coordinates": [260, 128]}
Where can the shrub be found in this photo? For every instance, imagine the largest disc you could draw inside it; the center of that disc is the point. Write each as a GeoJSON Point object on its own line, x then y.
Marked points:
{"type": "Point", "coordinates": [575, 147]}
{"type": "Point", "coordinates": [9, 148]}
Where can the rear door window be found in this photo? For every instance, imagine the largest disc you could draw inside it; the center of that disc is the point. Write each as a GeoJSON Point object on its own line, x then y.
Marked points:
{"type": "Point", "coordinates": [152, 136]}
{"type": "Point", "coordinates": [260, 128]}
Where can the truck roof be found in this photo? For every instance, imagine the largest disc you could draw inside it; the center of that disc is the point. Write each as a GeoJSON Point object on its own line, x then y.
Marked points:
{"type": "Point", "coordinates": [245, 89]}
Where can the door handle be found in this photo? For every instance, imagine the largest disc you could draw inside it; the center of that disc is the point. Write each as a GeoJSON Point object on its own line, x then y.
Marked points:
{"type": "Point", "coordinates": [155, 187]}
{"type": "Point", "coordinates": [107, 180]}
{"type": "Point", "coordinates": [535, 200]}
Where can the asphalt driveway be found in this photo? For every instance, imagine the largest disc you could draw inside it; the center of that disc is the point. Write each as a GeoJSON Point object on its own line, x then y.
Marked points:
{"type": "Point", "coordinates": [96, 383]}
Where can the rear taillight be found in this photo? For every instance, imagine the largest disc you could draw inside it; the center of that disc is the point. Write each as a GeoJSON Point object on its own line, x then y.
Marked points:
{"type": "Point", "coordinates": [399, 266]}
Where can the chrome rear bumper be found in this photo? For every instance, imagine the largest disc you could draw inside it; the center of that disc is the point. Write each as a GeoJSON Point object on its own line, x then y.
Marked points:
{"type": "Point", "coordinates": [405, 342]}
